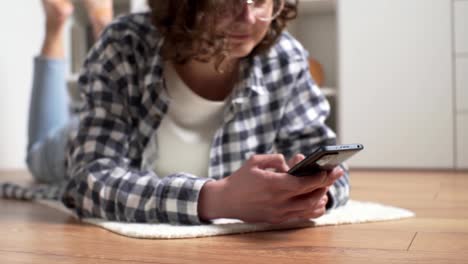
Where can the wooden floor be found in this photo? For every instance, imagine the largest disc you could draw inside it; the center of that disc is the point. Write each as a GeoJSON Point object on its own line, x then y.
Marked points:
{"type": "Point", "coordinates": [32, 233]}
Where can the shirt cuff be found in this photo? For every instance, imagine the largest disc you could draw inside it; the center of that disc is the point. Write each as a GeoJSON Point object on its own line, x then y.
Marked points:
{"type": "Point", "coordinates": [337, 197]}
{"type": "Point", "coordinates": [180, 199]}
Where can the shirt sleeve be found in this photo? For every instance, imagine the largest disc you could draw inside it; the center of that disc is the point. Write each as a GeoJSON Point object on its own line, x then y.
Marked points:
{"type": "Point", "coordinates": [303, 128]}
{"type": "Point", "coordinates": [104, 179]}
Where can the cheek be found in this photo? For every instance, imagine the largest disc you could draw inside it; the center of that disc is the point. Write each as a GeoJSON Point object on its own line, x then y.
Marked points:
{"type": "Point", "coordinates": [222, 25]}
{"type": "Point", "coordinates": [261, 31]}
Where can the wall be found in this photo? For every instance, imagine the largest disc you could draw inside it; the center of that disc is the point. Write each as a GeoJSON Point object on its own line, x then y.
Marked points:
{"type": "Point", "coordinates": [317, 32]}
{"type": "Point", "coordinates": [396, 82]}
{"type": "Point", "coordinates": [22, 31]}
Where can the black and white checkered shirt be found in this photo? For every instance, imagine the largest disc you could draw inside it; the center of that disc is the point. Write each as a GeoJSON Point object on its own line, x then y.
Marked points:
{"type": "Point", "coordinates": [276, 107]}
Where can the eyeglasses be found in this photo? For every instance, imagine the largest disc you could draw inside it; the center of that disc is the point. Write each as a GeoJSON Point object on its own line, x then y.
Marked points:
{"type": "Point", "coordinates": [264, 10]}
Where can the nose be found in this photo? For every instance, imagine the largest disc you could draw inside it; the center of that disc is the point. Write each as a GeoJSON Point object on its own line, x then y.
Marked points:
{"type": "Point", "coordinates": [246, 13]}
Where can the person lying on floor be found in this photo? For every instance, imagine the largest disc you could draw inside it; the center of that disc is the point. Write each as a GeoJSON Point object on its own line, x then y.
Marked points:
{"type": "Point", "coordinates": [193, 111]}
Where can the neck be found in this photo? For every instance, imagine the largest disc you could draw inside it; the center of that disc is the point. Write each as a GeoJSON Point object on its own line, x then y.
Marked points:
{"type": "Point", "coordinates": [205, 80]}
{"type": "Point", "coordinates": [211, 71]}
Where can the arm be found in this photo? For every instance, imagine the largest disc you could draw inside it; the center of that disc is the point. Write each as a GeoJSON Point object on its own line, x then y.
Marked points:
{"type": "Point", "coordinates": [303, 128]}
{"type": "Point", "coordinates": [105, 180]}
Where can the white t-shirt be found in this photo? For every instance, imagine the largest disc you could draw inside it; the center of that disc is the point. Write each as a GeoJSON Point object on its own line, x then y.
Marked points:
{"type": "Point", "coordinates": [183, 140]}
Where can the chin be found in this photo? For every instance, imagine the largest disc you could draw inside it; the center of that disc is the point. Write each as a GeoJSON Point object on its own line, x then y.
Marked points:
{"type": "Point", "coordinates": [241, 51]}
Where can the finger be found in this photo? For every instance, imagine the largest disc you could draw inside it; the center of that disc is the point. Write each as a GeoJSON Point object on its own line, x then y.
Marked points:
{"type": "Point", "coordinates": [294, 186]}
{"type": "Point", "coordinates": [270, 161]}
{"type": "Point", "coordinates": [304, 214]}
{"type": "Point", "coordinates": [295, 160]}
{"type": "Point", "coordinates": [307, 201]}
{"type": "Point", "coordinates": [336, 173]}
{"type": "Point", "coordinates": [325, 198]}
{"type": "Point", "coordinates": [326, 179]}
{"type": "Point", "coordinates": [316, 213]}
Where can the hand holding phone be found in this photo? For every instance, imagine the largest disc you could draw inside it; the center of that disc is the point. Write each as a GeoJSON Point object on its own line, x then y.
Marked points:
{"type": "Point", "coordinates": [324, 158]}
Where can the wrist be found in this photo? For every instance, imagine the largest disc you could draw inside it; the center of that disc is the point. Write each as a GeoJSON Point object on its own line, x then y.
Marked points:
{"type": "Point", "coordinates": [211, 202]}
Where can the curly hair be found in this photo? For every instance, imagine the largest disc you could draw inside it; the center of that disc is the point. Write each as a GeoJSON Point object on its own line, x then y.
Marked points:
{"type": "Point", "coordinates": [188, 27]}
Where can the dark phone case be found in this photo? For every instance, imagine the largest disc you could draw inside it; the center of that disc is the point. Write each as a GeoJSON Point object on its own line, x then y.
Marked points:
{"type": "Point", "coordinates": [324, 158]}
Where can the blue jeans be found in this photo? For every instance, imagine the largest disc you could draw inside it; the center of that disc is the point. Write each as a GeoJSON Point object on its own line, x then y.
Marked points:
{"type": "Point", "coordinates": [49, 121]}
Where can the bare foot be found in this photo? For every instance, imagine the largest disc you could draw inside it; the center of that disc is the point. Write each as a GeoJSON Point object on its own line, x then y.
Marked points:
{"type": "Point", "coordinates": [57, 12]}
{"type": "Point", "coordinates": [100, 13]}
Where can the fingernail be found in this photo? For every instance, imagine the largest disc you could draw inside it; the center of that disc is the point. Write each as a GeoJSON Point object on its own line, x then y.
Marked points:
{"type": "Point", "coordinates": [338, 173]}
{"type": "Point", "coordinates": [324, 175]}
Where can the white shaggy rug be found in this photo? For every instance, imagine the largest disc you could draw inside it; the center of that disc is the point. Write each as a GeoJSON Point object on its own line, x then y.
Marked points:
{"type": "Point", "coordinates": [354, 212]}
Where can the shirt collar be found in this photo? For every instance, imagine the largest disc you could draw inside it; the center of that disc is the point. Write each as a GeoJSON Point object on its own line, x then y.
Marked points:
{"type": "Point", "coordinates": [251, 81]}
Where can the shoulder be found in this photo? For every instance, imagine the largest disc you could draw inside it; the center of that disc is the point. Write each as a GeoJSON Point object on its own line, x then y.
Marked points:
{"type": "Point", "coordinates": [287, 57]}
{"type": "Point", "coordinates": [127, 52]}
{"type": "Point", "coordinates": [134, 32]}
{"type": "Point", "coordinates": [285, 62]}
{"type": "Point", "coordinates": [286, 48]}
{"type": "Point", "coordinates": [284, 69]}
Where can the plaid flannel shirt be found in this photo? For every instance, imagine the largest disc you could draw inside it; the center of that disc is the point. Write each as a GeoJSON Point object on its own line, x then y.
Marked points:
{"type": "Point", "coordinates": [275, 107]}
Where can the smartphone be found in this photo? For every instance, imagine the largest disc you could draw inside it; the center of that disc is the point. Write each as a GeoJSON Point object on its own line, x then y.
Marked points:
{"type": "Point", "coordinates": [324, 158]}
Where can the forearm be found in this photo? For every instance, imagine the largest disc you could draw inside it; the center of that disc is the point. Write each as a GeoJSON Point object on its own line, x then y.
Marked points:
{"type": "Point", "coordinates": [120, 194]}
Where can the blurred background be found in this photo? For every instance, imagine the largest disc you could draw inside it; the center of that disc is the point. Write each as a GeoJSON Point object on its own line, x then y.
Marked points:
{"type": "Point", "coordinates": [394, 71]}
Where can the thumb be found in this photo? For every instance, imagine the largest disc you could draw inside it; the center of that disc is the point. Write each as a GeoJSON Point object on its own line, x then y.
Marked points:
{"type": "Point", "coordinates": [295, 160]}
{"type": "Point", "coordinates": [270, 161]}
